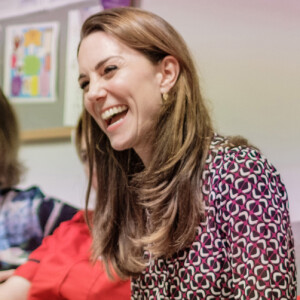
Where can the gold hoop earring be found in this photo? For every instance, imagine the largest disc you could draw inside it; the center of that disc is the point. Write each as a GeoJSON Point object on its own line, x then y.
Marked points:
{"type": "Point", "coordinates": [165, 97]}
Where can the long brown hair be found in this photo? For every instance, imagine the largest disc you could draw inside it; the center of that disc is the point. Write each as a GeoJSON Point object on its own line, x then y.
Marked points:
{"type": "Point", "coordinates": [158, 208]}
{"type": "Point", "coordinates": [10, 167]}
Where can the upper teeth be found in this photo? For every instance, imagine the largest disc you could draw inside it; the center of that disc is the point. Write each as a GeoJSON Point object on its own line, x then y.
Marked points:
{"type": "Point", "coordinates": [113, 111]}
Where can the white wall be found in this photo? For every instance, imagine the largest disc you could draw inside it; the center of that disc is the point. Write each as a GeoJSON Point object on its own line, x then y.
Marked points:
{"type": "Point", "coordinates": [56, 169]}
{"type": "Point", "coordinates": [248, 54]}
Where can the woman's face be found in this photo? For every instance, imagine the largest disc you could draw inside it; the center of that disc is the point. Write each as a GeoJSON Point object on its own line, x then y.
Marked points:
{"type": "Point", "coordinates": [121, 91]}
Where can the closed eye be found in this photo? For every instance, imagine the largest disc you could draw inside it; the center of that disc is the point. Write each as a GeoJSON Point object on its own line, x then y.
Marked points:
{"type": "Point", "coordinates": [110, 68]}
{"type": "Point", "coordinates": [83, 84]}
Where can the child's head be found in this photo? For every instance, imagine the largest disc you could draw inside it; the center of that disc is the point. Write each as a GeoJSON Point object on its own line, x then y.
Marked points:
{"type": "Point", "coordinates": [10, 167]}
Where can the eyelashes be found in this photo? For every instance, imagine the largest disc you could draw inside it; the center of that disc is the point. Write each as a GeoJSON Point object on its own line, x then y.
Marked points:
{"type": "Point", "coordinates": [83, 85]}
{"type": "Point", "coordinates": [110, 68]}
{"type": "Point", "coordinates": [108, 72]}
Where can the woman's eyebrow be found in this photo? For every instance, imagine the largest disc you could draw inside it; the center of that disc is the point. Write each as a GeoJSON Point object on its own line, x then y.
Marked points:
{"type": "Point", "coordinates": [98, 65]}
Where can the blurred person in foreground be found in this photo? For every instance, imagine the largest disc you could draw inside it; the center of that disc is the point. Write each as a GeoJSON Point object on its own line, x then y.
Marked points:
{"type": "Point", "coordinates": [26, 215]}
{"type": "Point", "coordinates": [61, 267]}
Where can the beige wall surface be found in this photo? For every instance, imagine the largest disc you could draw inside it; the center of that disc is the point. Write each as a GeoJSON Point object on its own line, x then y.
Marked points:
{"type": "Point", "coordinates": [248, 56]}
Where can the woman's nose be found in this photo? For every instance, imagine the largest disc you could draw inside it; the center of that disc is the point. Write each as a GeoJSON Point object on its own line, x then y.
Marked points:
{"type": "Point", "coordinates": [96, 91]}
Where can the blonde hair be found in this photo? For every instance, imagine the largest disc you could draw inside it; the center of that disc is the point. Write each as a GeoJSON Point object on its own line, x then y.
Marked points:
{"type": "Point", "coordinates": [158, 208]}
{"type": "Point", "coordinates": [11, 168]}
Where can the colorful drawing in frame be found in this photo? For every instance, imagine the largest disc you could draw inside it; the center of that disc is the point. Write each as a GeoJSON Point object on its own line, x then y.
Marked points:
{"type": "Point", "coordinates": [30, 62]}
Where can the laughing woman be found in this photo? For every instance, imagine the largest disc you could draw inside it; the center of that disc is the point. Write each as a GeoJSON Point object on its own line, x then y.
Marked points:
{"type": "Point", "coordinates": [185, 212]}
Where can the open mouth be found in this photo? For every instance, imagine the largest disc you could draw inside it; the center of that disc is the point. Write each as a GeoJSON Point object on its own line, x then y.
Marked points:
{"type": "Point", "coordinates": [114, 114]}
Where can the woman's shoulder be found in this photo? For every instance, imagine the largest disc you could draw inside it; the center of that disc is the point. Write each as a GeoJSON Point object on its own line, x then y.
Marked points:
{"type": "Point", "coordinates": [75, 225]}
{"type": "Point", "coordinates": [232, 154]}
{"type": "Point", "coordinates": [31, 206]}
{"type": "Point", "coordinates": [238, 172]}
{"type": "Point", "coordinates": [34, 197]}
{"type": "Point", "coordinates": [231, 145]}
{"type": "Point", "coordinates": [19, 194]}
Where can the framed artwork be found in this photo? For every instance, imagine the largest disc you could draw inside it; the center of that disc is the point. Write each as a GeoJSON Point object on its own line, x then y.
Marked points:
{"type": "Point", "coordinates": [30, 62]}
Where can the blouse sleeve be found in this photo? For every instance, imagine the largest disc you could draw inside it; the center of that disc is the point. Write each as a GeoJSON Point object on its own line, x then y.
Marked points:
{"type": "Point", "coordinates": [258, 229]}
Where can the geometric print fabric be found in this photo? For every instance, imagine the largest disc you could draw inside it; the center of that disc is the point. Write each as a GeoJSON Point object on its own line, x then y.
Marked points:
{"type": "Point", "coordinates": [244, 249]}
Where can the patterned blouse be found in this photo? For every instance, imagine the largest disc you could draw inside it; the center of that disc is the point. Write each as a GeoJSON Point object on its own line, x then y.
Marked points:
{"type": "Point", "coordinates": [244, 249]}
{"type": "Point", "coordinates": [26, 217]}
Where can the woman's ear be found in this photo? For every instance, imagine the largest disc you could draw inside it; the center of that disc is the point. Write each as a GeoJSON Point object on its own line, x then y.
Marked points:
{"type": "Point", "coordinates": [169, 71]}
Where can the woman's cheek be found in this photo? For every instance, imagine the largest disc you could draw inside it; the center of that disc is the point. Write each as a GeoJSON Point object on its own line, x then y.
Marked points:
{"type": "Point", "coordinates": [89, 106]}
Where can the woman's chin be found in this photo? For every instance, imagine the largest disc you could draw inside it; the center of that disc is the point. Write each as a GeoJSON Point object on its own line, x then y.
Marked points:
{"type": "Point", "coordinates": [120, 146]}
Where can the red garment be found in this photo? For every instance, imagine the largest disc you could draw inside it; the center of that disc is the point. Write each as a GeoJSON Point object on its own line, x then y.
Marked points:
{"type": "Point", "coordinates": [60, 268]}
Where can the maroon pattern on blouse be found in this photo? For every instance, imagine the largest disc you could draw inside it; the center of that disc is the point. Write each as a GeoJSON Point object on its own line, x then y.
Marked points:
{"type": "Point", "coordinates": [244, 249]}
